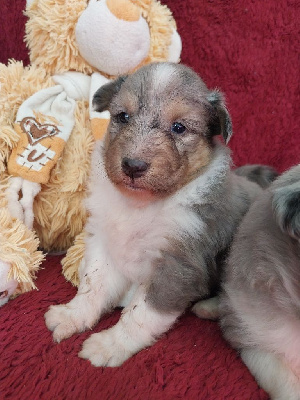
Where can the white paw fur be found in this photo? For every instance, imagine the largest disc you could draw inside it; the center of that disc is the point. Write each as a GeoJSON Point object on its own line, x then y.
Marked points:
{"type": "Point", "coordinates": [64, 321]}
{"type": "Point", "coordinates": [104, 351]}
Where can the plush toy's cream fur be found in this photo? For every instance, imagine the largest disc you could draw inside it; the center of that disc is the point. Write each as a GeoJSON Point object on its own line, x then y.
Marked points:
{"type": "Point", "coordinates": [73, 258]}
{"type": "Point", "coordinates": [58, 209]}
{"type": "Point", "coordinates": [18, 248]}
{"type": "Point", "coordinates": [61, 51]}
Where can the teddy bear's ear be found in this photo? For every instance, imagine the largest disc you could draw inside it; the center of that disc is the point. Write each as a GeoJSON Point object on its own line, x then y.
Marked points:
{"type": "Point", "coordinates": [104, 95]}
{"type": "Point", "coordinates": [175, 48]}
{"type": "Point", "coordinates": [220, 121]}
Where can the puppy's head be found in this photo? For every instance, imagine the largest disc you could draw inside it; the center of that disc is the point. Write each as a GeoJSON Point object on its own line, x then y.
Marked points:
{"type": "Point", "coordinates": [163, 121]}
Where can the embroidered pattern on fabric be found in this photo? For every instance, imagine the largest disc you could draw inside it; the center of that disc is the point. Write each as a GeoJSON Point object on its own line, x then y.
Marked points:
{"type": "Point", "coordinates": [35, 159]}
{"type": "Point", "coordinates": [35, 155]}
{"type": "Point", "coordinates": [36, 131]}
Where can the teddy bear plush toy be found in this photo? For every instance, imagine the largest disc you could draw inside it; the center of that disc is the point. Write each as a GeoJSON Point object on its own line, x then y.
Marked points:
{"type": "Point", "coordinates": [48, 127]}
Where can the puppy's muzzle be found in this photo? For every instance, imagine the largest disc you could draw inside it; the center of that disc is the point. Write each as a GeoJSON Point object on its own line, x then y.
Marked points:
{"type": "Point", "coordinates": [134, 168]}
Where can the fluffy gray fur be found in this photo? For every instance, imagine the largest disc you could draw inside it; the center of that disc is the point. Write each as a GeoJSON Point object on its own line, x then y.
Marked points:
{"type": "Point", "coordinates": [260, 303]}
{"type": "Point", "coordinates": [190, 268]}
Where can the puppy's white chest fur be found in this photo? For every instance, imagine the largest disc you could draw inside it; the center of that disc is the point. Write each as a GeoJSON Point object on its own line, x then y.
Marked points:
{"type": "Point", "coordinates": [132, 234]}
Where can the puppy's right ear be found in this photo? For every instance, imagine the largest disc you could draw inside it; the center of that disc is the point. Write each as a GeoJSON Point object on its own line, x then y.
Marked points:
{"type": "Point", "coordinates": [103, 97]}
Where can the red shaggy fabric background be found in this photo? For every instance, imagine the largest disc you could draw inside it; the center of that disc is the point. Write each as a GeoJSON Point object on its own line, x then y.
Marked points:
{"type": "Point", "coordinates": [250, 50]}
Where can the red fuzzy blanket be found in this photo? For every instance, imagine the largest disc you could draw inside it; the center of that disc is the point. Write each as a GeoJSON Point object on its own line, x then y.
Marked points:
{"type": "Point", "coordinates": [250, 50]}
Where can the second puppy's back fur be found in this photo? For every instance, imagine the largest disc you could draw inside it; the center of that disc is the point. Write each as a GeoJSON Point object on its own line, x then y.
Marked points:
{"type": "Point", "coordinates": [261, 293]}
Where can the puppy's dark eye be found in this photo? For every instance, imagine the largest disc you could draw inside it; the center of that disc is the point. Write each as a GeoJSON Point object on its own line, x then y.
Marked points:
{"type": "Point", "coordinates": [177, 127]}
{"type": "Point", "coordinates": [123, 117]}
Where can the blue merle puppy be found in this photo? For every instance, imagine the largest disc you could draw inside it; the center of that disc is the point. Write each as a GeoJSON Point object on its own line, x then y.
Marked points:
{"type": "Point", "coordinates": [163, 207]}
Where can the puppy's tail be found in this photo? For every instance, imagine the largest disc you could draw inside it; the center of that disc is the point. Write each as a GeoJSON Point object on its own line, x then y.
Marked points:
{"type": "Point", "coordinates": [263, 175]}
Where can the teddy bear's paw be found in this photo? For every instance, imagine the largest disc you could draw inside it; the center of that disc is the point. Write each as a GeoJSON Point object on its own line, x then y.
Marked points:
{"type": "Point", "coordinates": [7, 286]}
{"type": "Point", "coordinates": [64, 321]}
{"type": "Point", "coordinates": [104, 351]}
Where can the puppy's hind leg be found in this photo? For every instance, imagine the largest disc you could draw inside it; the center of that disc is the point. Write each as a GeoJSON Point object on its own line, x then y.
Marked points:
{"type": "Point", "coordinates": [272, 374]}
{"type": "Point", "coordinates": [139, 326]}
{"type": "Point", "coordinates": [99, 290]}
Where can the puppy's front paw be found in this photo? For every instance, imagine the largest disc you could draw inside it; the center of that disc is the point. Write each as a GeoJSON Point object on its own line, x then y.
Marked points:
{"type": "Point", "coordinates": [104, 351]}
{"type": "Point", "coordinates": [63, 321]}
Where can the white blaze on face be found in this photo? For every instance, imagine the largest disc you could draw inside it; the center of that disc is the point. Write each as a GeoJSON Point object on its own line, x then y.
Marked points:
{"type": "Point", "coordinates": [163, 76]}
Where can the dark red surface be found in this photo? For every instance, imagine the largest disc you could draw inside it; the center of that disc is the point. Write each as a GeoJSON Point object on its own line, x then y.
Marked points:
{"type": "Point", "coordinates": [192, 361]}
{"type": "Point", "coordinates": [250, 50]}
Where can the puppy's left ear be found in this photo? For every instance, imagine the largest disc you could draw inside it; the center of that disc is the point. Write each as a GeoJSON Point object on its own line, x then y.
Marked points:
{"type": "Point", "coordinates": [220, 121]}
{"type": "Point", "coordinates": [103, 97]}
{"type": "Point", "coordinates": [286, 209]}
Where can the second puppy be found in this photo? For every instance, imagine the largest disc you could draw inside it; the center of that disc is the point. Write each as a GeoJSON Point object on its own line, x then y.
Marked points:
{"type": "Point", "coordinates": [163, 207]}
{"type": "Point", "coordinates": [260, 304]}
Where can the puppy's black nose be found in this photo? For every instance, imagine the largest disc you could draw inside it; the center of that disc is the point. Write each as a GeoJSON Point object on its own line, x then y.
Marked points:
{"type": "Point", "coordinates": [134, 168]}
